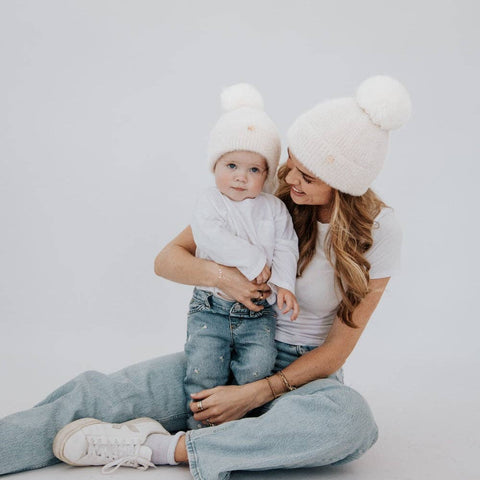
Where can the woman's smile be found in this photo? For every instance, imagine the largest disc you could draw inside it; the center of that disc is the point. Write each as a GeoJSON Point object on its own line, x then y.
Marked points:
{"type": "Point", "coordinates": [295, 191]}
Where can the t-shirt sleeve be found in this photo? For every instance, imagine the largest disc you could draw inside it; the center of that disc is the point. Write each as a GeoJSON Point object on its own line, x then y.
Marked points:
{"type": "Point", "coordinates": [385, 254]}
{"type": "Point", "coordinates": [285, 254]}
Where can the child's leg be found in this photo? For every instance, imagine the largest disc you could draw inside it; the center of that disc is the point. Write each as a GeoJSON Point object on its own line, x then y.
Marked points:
{"type": "Point", "coordinates": [207, 350]}
{"type": "Point", "coordinates": [254, 352]}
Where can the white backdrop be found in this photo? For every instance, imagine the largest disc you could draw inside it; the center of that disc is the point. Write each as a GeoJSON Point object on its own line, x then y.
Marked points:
{"type": "Point", "coordinates": [105, 110]}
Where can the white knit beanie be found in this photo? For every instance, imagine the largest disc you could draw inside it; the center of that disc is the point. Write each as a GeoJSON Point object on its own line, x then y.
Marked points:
{"type": "Point", "coordinates": [245, 126]}
{"type": "Point", "coordinates": [344, 141]}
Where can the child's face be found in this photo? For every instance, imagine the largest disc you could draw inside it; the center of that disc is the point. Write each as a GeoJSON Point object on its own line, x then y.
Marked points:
{"type": "Point", "coordinates": [241, 174]}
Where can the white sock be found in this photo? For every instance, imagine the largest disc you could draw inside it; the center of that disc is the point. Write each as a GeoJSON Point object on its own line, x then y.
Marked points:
{"type": "Point", "coordinates": [163, 447]}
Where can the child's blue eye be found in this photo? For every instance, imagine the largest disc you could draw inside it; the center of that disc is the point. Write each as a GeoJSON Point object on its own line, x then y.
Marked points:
{"type": "Point", "coordinates": [231, 165]}
{"type": "Point", "coordinates": [254, 170]}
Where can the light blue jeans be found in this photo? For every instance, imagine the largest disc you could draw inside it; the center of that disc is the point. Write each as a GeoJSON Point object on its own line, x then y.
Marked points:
{"type": "Point", "coordinates": [322, 423]}
{"type": "Point", "coordinates": [226, 339]}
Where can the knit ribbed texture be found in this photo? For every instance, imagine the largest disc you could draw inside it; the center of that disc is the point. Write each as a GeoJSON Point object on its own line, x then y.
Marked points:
{"type": "Point", "coordinates": [338, 141]}
{"type": "Point", "coordinates": [245, 127]}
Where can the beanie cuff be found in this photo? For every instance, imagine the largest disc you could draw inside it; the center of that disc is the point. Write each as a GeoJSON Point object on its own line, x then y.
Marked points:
{"type": "Point", "coordinates": [326, 163]}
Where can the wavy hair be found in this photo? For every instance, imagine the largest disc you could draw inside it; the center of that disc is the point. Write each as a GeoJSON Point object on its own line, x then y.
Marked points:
{"type": "Point", "coordinates": [348, 239]}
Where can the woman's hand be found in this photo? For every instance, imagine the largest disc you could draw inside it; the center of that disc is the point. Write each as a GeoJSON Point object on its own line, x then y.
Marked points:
{"type": "Point", "coordinates": [225, 403]}
{"type": "Point", "coordinates": [236, 285]}
{"type": "Point", "coordinates": [264, 275]}
{"type": "Point", "coordinates": [177, 262]}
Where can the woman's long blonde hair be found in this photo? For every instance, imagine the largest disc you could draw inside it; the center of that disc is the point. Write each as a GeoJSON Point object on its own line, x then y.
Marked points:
{"type": "Point", "coordinates": [348, 239]}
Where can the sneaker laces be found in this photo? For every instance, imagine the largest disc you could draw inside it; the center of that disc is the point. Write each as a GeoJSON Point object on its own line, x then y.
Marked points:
{"type": "Point", "coordinates": [118, 454]}
{"type": "Point", "coordinates": [140, 463]}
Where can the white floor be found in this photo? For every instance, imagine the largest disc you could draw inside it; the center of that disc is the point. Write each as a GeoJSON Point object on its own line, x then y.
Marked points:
{"type": "Point", "coordinates": [181, 473]}
{"type": "Point", "coordinates": [398, 457]}
{"type": "Point", "coordinates": [428, 416]}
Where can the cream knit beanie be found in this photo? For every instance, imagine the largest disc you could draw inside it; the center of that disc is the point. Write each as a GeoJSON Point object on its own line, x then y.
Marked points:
{"type": "Point", "coordinates": [344, 141]}
{"type": "Point", "coordinates": [245, 126]}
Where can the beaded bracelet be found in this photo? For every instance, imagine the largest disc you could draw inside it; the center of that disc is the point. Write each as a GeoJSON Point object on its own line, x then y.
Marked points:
{"type": "Point", "coordinates": [285, 381]}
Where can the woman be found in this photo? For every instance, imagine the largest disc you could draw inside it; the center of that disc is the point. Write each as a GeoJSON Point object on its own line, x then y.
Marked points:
{"type": "Point", "coordinates": [349, 244]}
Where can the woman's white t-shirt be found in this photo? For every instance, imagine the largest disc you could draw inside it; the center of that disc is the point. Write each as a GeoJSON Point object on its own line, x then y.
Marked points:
{"type": "Point", "coordinates": [315, 289]}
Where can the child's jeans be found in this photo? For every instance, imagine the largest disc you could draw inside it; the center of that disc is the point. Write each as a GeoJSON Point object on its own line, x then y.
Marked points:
{"type": "Point", "coordinates": [226, 342]}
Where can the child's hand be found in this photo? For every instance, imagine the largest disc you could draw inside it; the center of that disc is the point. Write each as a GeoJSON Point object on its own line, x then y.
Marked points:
{"type": "Point", "coordinates": [286, 297]}
{"type": "Point", "coordinates": [264, 275]}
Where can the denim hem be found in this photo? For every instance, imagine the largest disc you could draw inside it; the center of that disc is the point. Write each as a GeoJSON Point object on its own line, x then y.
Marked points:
{"type": "Point", "coordinates": [192, 458]}
{"type": "Point", "coordinates": [193, 463]}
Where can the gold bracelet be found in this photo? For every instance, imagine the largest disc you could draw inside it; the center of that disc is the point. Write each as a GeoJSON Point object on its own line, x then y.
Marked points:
{"type": "Point", "coordinates": [285, 381]}
{"type": "Point", "coordinates": [275, 395]}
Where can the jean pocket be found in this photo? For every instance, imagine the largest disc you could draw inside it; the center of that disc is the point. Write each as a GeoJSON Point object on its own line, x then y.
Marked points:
{"type": "Point", "coordinates": [196, 306]}
{"type": "Point", "coordinates": [268, 311]}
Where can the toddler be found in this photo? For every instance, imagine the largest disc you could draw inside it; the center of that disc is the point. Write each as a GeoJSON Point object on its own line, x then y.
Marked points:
{"type": "Point", "coordinates": [237, 224]}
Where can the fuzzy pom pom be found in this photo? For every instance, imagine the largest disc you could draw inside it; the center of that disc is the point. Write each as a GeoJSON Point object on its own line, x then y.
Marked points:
{"type": "Point", "coordinates": [241, 95]}
{"type": "Point", "coordinates": [385, 100]}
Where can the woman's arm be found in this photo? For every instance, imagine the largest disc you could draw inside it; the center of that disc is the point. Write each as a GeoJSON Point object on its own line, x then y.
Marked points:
{"type": "Point", "coordinates": [222, 404]}
{"type": "Point", "coordinates": [177, 262]}
{"type": "Point", "coordinates": [340, 342]}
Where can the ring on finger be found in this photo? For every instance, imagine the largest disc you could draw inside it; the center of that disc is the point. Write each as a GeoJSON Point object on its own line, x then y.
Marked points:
{"type": "Point", "coordinates": [200, 406]}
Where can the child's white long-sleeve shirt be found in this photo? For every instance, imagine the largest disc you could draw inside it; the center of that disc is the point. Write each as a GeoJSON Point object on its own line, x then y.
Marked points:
{"type": "Point", "coordinates": [248, 235]}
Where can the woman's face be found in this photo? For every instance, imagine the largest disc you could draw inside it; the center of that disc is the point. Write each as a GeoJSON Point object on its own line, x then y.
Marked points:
{"type": "Point", "coordinates": [305, 188]}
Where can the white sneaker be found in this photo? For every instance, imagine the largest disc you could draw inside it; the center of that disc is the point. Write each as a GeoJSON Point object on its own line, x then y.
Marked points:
{"type": "Point", "coordinates": [91, 442]}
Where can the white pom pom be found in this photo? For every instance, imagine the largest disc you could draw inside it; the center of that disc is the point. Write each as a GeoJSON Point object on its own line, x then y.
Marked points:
{"type": "Point", "coordinates": [241, 95]}
{"type": "Point", "coordinates": [385, 100]}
